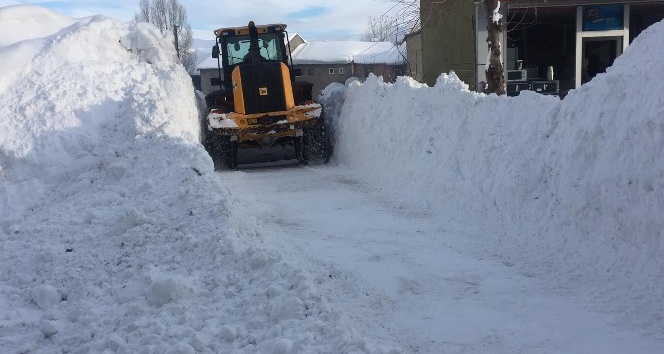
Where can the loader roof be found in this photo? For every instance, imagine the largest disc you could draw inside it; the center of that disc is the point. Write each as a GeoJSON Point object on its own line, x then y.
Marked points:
{"type": "Point", "coordinates": [244, 30]}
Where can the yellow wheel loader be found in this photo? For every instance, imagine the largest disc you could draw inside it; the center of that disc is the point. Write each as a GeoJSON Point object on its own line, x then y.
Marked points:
{"type": "Point", "coordinates": [260, 105]}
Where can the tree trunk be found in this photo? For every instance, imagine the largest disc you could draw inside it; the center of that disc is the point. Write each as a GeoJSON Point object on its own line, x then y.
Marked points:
{"type": "Point", "coordinates": [495, 77]}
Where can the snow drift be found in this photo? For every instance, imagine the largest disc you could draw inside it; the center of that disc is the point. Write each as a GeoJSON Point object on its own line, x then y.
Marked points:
{"type": "Point", "coordinates": [569, 189]}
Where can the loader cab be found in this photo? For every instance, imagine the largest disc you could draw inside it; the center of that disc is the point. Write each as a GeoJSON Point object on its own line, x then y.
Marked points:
{"type": "Point", "coordinates": [254, 62]}
{"type": "Point", "coordinates": [234, 47]}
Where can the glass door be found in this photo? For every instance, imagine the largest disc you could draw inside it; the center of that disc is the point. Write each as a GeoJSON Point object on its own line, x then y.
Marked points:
{"type": "Point", "coordinates": [598, 53]}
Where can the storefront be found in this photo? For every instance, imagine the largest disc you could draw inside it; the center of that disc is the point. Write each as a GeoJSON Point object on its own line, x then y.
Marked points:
{"type": "Point", "coordinates": [554, 46]}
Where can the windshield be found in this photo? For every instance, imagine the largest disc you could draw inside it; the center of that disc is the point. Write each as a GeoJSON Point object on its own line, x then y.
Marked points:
{"type": "Point", "coordinates": [238, 48]}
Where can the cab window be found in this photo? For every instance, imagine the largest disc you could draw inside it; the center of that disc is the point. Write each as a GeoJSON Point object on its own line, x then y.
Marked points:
{"type": "Point", "coordinates": [238, 48]}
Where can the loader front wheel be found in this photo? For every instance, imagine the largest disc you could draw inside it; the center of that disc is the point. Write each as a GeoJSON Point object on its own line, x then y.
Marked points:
{"type": "Point", "coordinates": [316, 147]}
{"type": "Point", "coordinates": [223, 152]}
{"type": "Point", "coordinates": [299, 150]}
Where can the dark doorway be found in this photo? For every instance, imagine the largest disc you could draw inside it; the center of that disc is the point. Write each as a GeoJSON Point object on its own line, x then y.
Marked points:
{"type": "Point", "coordinates": [598, 54]}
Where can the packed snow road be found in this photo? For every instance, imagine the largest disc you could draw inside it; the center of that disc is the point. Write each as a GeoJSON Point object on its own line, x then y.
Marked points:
{"type": "Point", "coordinates": [397, 277]}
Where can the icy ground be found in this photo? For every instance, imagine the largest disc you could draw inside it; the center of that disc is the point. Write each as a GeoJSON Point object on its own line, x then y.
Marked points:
{"type": "Point", "coordinates": [448, 222]}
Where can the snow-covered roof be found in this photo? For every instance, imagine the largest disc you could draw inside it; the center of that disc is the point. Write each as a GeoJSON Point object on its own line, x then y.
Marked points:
{"type": "Point", "coordinates": [343, 52]}
{"type": "Point", "coordinates": [208, 63]}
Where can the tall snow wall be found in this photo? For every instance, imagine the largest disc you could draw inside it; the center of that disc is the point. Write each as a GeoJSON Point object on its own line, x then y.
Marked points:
{"type": "Point", "coordinates": [570, 189]}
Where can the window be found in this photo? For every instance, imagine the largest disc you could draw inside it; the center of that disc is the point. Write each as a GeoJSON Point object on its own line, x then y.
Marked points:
{"type": "Point", "coordinates": [330, 70]}
{"type": "Point", "coordinates": [341, 71]}
{"type": "Point", "coordinates": [238, 47]}
{"type": "Point", "coordinates": [311, 71]}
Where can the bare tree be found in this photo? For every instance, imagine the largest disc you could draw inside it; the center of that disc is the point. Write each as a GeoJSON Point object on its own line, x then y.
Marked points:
{"type": "Point", "coordinates": [169, 16]}
{"type": "Point", "coordinates": [143, 14]}
{"type": "Point", "coordinates": [495, 75]}
{"type": "Point", "coordinates": [392, 26]}
{"type": "Point", "coordinates": [408, 11]}
{"type": "Point", "coordinates": [188, 56]}
{"type": "Point", "coordinates": [381, 29]}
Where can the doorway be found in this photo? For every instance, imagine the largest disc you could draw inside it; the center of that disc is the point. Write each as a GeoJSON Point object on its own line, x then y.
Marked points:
{"type": "Point", "coordinates": [598, 53]}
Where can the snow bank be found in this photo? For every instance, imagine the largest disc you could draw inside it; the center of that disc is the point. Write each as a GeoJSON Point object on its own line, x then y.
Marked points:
{"type": "Point", "coordinates": [83, 83]}
{"type": "Point", "coordinates": [115, 233]}
{"type": "Point", "coordinates": [605, 162]}
{"type": "Point", "coordinates": [566, 189]}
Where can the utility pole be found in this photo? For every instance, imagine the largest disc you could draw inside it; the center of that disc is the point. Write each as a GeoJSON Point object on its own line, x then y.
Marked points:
{"type": "Point", "coordinates": [175, 34]}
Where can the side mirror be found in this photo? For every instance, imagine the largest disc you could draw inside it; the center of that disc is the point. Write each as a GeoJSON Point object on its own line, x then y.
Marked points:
{"type": "Point", "coordinates": [215, 51]}
{"type": "Point", "coordinates": [297, 72]}
{"type": "Point", "coordinates": [215, 81]}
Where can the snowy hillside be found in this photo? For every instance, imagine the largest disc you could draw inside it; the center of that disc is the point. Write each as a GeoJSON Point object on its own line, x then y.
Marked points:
{"type": "Point", "coordinates": [116, 235]}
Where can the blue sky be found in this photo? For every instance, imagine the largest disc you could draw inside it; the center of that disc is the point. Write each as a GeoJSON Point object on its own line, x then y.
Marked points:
{"type": "Point", "coordinates": [312, 19]}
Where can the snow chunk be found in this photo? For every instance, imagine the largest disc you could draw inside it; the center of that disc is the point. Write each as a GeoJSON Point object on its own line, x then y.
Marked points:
{"type": "Point", "coordinates": [165, 291]}
{"type": "Point", "coordinates": [289, 308]}
{"type": "Point", "coordinates": [315, 113]}
{"type": "Point", "coordinates": [45, 296]}
{"type": "Point", "coordinates": [147, 42]}
{"type": "Point", "coordinates": [219, 120]}
{"type": "Point", "coordinates": [227, 333]}
{"type": "Point", "coordinates": [276, 346]}
{"type": "Point", "coordinates": [129, 219]}
{"type": "Point", "coordinates": [199, 342]}
{"type": "Point", "coordinates": [49, 328]}
{"type": "Point", "coordinates": [496, 16]}
{"type": "Point", "coordinates": [182, 348]}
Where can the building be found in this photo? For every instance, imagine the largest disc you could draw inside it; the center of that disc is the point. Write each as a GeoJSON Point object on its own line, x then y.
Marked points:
{"type": "Point", "coordinates": [414, 55]}
{"type": "Point", "coordinates": [323, 63]}
{"type": "Point", "coordinates": [559, 42]}
{"type": "Point", "coordinates": [448, 40]}
{"type": "Point", "coordinates": [209, 67]}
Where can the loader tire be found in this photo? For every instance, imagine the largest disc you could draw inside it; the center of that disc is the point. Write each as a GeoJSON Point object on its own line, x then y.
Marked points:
{"type": "Point", "coordinates": [223, 152]}
{"type": "Point", "coordinates": [299, 150]}
{"type": "Point", "coordinates": [316, 147]}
